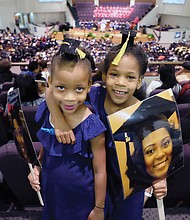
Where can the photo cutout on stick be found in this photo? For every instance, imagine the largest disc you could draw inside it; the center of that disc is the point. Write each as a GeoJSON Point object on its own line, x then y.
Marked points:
{"type": "Point", "coordinates": [20, 130]}
{"type": "Point", "coordinates": [148, 141]}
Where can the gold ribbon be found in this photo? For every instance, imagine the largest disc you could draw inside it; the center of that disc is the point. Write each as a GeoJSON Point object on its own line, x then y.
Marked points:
{"type": "Point", "coordinates": [81, 54]}
{"type": "Point", "coordinates": [121, 52]}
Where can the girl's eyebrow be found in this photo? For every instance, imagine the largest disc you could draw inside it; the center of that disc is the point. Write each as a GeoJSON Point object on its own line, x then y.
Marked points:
{"type": "Point", "coordinates": [58, 83]}
{"type": "Point", "coordinates": [132, 73]}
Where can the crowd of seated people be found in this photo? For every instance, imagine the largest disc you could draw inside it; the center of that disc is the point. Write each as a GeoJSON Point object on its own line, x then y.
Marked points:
{"type": "Point", "coordinates": [118, 24]}
{"type": "Point", "coordinates": [113, 12]}
{"type": "Point", "coordinates": [157, 52]}
{"type": "Point", "coordinates": [22, 48]}
{"type": "Point", "coordinates": [122, 24]}
{"type": "Point", "coordinates": [181, 50]}
{"type": "Point", "coordinates": [32, 94]}
{"type": "Point", "coordinates": [97, 47]}
{"type": "Point", "coordinates": [165, 27]}
{"type": "Point", "coordinates": [88, 24]}
{"type": "Point", "coordinates": [44, 48]}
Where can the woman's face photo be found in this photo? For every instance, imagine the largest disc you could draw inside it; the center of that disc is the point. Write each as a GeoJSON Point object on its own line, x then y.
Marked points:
{"type": "Point", "coordinates": [157, 150]}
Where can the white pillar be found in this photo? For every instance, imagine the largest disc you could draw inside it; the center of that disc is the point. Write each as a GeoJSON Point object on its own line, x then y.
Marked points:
{"type": "Point", "coordinates": [96, 2]}
{"type": "Point", "coordinates": [132, 2]}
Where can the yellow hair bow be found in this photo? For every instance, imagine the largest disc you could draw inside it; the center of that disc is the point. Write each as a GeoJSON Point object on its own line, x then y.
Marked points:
{"type": "Point", "coordinates": [121, 52]}
{"type": "Point", "coordinates": [81, 54]}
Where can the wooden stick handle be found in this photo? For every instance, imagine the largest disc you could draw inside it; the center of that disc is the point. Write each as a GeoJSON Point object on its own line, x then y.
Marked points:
{"type": "Point", "coordinates": [160, 206]}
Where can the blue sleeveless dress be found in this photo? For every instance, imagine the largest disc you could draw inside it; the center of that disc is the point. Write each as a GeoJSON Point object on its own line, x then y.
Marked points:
{"type": "Point", "coordinates": [67, 174]}
{"type": "Point", "coordinates": [116, 208]}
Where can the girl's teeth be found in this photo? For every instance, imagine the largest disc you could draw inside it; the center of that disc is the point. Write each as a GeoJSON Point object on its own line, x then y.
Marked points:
{"type": "Point", "coordinates": [119, 92]}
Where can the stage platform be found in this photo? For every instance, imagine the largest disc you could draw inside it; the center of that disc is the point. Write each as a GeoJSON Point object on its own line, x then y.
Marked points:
{"type": "Point", "coordinates": [115, 35]}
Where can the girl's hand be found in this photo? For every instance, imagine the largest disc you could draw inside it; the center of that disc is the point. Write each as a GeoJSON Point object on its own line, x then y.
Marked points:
{"type": "Point", "coordinates": [96, 214]}
{"type": "Point", "coordinates": [63, 132]}
{"type": "Point", "coordinates": [160, 189]}
{"type": "Point", "coordinates": [35, 182]}
{"type": "Point", "coordinates": [66, 137]}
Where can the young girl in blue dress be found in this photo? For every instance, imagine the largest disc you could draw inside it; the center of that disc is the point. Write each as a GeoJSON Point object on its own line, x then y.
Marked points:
{"type": "Point", "coordinates": [73, 176]}
{"type": "Point", "coordinates": [123, 70]}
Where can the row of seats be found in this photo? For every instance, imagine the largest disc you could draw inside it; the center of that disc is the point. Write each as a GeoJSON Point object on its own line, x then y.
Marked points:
{"type": "Point", "coordinates": [29, 112]}
{"type": "Point", "coordinates": [3, 94]}
{"type": "Point", "coordinates": [13, 168]}
{"type": "Point", "coordinates": [5, 129]}
{"type": "Point", "coordinates": [114, 4]}
{"type": "Point", "coordinates": [6, 86]}
{"type": "Point", "coordinates": [15, 171]}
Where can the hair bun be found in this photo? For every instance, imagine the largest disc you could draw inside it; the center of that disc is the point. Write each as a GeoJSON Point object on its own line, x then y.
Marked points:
{"type": "Point", "coordinates": [69, 46]}
{"type": "Point", "coordinates": [125, 34]}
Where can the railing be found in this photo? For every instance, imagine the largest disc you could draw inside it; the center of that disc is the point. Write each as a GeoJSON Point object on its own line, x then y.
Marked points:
{"type": "Point", "coordinates": [149, 63]}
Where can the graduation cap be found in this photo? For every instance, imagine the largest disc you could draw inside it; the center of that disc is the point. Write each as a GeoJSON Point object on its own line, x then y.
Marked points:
{"type": "Point", "coordinates": [127, 40]}
{"type": "Point", "coordinates": [153, 109]}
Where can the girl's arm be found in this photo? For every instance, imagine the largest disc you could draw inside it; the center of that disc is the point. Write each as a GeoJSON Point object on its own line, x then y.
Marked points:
{"type": "Point", "coordinates": [100, 177]}
{"type": "Point", "coordinates": [63, 131]}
